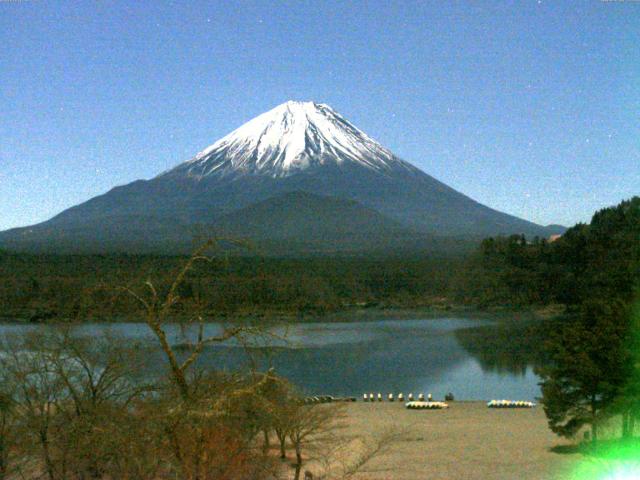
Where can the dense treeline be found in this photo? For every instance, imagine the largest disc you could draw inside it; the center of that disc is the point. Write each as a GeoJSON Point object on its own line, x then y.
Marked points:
{"type": "Point", "coordinates": [600, 259]}
{"type": "Point", "coordinates": [592, 353]}
{"type": "Point", "coordinates": [596, 259]}
{"type": "Point", "coordinates": [50, 287]}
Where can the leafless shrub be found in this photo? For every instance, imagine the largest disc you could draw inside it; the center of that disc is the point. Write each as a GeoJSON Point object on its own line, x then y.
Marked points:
{"type": "Point", "coordinates": [69, 395]}
{"type": "Point", "coordinates": [77, 408]}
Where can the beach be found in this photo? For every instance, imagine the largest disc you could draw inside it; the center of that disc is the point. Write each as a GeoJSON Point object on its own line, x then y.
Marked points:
{"type": "Point", "coordinates": [465, 441]}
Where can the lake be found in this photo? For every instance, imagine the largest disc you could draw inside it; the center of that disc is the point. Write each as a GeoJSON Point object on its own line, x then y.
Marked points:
{"type": "Point", "coordinates": [350, 358]}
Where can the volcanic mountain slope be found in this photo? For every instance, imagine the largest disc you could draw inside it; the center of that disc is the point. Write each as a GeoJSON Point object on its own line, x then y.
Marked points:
{"type": "Point", "coordinates": [303, 216]}
{"type": "Point", "coordinates": [296, 147]}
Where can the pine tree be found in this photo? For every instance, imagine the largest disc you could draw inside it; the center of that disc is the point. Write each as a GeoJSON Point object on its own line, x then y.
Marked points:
{"type": "Point", "coordinates": [588, 371]}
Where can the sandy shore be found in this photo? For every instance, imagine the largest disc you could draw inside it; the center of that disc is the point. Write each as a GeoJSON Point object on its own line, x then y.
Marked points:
{"type": "Point", "coordinates": [467, 441]}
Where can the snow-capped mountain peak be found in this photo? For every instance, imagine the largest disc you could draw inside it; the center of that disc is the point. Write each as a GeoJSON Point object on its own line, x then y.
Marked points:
{"type": "Point", "coordinates": [292, 137]}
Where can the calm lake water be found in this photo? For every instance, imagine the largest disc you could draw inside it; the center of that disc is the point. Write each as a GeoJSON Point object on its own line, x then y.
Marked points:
{"type": "Point", "coordinates": [348, 359]}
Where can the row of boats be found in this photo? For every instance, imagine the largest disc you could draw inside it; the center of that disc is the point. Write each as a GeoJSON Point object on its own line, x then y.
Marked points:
{"type": "Point", "coordinates": [421, 403]}
{"type": "Point", "coordinates": [427, 403]}
{"type": "Point", "coordinates": [510, 404]}
{"type": "Point", "coordinates": [373, 398]}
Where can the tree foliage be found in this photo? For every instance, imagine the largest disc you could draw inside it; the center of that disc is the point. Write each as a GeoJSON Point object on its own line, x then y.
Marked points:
{"type": "Point", "coordinates": [588, 357]}
{"type": "Point", "coordinates": [588, 369]}
{"type": "Point", "coordinates": [598, 260]}
{"type": "Point", "coordinates": [593, 269]}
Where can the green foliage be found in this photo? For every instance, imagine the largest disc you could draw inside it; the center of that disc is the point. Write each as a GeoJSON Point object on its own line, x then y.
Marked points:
{"type": "Point", "coordinates": [594, 369]}
{"type": "Point", "coordinates": [599, 260]}
{"type": "Point", "coordinates": [591, 364]}
{"type": "Point", "coordinates": [588, 368]}
{"type": "Point", "coordinates": [506, 271]}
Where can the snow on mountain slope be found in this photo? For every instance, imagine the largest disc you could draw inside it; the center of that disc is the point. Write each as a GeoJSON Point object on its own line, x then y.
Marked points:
{"type": "Point", "coordinates": [294, 171]}
{"type": "Point", "coordinates": [290, 138]}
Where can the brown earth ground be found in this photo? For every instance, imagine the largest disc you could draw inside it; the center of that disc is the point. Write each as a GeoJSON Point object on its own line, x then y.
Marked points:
{"type": "Point", "coordinates": [466, 441]}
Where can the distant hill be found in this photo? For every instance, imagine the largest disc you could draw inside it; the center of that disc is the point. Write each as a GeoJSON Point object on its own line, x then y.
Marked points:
{"type": "Point", "coordinates": [305, 216]}
{"type": "Point", "coordinates": [305, 222]}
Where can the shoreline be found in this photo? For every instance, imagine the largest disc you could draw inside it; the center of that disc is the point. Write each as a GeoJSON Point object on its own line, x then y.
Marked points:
{"type": "Point", "coordinates": [346, 315]}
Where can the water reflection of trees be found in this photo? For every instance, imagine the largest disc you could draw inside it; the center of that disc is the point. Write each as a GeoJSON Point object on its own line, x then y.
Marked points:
{"type": "Point", "coordinates": [506, 347]}
{"type": "Point", "coordinates": [403, 362]}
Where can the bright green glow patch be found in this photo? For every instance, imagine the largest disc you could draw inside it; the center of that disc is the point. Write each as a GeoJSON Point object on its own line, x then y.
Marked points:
{"type": "Point", "coordinates": [592, 469]}
{"type": "Point", "coordinates": [610, 460]}
{"type": "Point", "coordinates": [617, 459]}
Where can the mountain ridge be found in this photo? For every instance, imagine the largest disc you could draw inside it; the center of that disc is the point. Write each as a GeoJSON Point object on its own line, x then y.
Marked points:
{"type": "Point", "coordinates": [295, 147]}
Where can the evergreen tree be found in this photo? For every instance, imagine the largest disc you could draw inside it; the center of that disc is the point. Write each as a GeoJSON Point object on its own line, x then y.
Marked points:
{"type": "Point", "coordinates": [629, 401]}
{"type": "Point", "coordinates": [589, 368]}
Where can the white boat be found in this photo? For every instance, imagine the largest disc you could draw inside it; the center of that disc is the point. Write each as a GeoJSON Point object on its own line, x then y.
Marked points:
{"type": "Point", "coordinates": [510, 404]}
{"type": "Point", "coordinates": [426, 405]}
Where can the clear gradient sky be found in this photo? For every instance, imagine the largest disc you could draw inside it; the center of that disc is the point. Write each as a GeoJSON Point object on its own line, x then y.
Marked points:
{"type": "Point", "coordinates": [530, 107]}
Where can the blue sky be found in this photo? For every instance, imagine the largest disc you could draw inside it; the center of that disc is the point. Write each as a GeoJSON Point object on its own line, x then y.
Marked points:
{"type": "Point", "coordinates": [530, 107]}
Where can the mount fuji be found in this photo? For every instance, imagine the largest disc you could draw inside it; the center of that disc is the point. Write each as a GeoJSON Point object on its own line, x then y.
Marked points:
{"type": "Point", "coordinates": [299, 177]}
{"type": "Point", "coordinates": [292, 138]}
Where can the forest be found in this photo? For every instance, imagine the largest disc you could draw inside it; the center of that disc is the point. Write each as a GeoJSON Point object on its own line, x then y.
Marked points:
{"type": "Point", "coordinates": [588, 358]}
{"type": "Point", "coordinates": [596, 260]}
{"type": "Point", "coordinates": [41, 288]}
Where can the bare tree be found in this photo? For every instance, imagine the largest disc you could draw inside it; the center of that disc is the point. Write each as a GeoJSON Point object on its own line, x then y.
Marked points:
{"type": "Point", "coordinates": [98, 376]}
{"type": "Point", "coordinates": [310, 424]}
{"type": "Point", "coordinates": [7, 429]}
{"type": "Point", "coordinates": [335, 454]}
{"type": "Point", "coordinates": [366, 450]}
{"type": "Point", "coordinates": [159, 311]}
{"type": "Point", "coordinates": [40, 393]}
{"type": "Point", "coordinates": [71, 395]}
{"type": "Point", "coordinates": [209, 411]}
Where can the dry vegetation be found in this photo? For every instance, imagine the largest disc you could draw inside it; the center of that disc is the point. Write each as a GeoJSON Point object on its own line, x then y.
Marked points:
{"type": "Point", "coordinates": [83, 408]}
